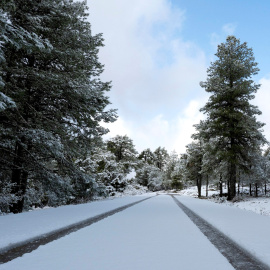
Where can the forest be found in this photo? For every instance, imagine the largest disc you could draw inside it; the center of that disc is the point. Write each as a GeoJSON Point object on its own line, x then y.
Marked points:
{"type": "Point", "coordinates": [53, 105]}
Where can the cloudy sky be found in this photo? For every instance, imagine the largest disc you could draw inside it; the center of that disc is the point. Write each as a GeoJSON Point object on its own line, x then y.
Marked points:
{"type": "Point", "coordinates": [156, 53]}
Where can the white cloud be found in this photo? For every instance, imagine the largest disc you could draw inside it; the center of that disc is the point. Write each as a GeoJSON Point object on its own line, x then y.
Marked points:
{"type": "Point", "coordinates": [185, 124]}
{"type": "Point", "coordinates": [119, 127]}
{"type": "Point", "coordinates": [173, 134]}
{"type": "Point", "coordinates": [154, 71]}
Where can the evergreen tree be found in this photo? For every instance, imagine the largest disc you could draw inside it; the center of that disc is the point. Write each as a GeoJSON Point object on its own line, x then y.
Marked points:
{"type": "Point", "coordinates": [59, 99]}
{"type": "Point", "coordinates": [178, 174]}
{"type": "Point", "coordinates": [169, 170]}
{"type": "Point", "coordinates": [124, 150]}
{"type": "Point", "coordinates": [147, 156]}
{"type": "Point", "coordinates": [19, 38]}
{"type": "Point", "coordinates": [109, 174]}
{"type": "Point", "coordinates": [161, 156]}
{"type": "Point", "coordinates": [143, 173]}
{"type": "Point", "coordinates": [231, 119]}
{"type": "Point", "coordinates": [194, 164]}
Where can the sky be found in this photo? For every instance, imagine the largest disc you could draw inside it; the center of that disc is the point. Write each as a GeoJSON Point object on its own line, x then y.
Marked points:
{"type": "Point", "coordinates": [156, 53]}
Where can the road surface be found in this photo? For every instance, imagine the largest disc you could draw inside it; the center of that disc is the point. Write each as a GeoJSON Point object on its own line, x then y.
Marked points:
{"type": "Point", "coordinates": [153, 234]}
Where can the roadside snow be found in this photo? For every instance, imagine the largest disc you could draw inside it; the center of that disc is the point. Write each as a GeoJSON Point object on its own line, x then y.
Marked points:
{"type": "Point", "coordinates": [246, 228]}
{"type": "Point", "coordinates": [259, 205]}
{"type": "Point", "coordinates": [154, 234]}
{"type": "Point", "coordinates": [24, 226]}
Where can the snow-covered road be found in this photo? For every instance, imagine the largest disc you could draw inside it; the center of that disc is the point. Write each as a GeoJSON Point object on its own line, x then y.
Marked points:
{"type": "Point", "coordinates": [154, 234]}
{"type": "Point", "coordinates": [28, 225]}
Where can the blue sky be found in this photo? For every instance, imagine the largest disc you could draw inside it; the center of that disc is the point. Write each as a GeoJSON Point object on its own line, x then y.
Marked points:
{"type": "Point", "coordinates": [157, 52]}
{"type": "Point", "coordinates": [249, 17]}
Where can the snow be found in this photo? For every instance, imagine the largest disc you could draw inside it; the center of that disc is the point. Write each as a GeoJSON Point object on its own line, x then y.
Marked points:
{"type": "Point", "coordinates": [154, 234]}
{"type": "Point", "coordinates": [24, 226]}
{"type": "Point", "coordinates": [193, 191]}
{"type": "Point", "coordinates": [5, 101]}
{"type": "Point", "coordinates": [246, 228]}
{"type": "Point", "coordinates": [131, 175]}
{"type": "Point", "coordinates": [259, 205]}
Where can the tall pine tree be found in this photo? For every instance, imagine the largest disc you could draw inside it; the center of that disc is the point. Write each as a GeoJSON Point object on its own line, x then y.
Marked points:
{"type": "Point", "coordinates": [60, 100]}
{"type": "Point", "coordinates": [231, 119]}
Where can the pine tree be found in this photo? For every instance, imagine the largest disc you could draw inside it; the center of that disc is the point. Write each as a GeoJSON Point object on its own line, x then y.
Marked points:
{"type": "Point", "coordinates": [161, 156]}
{"type": "Point", "coordinates": [60, 100]}
{"type": "Point", "coordinates": [231, 119]}
{"type": "Point", "coordinates": [124, 150]}
{"type": "Point", "coordinates": [194, 164]}
{"type": "Point", "coordinates": [147, 156]}
{"type": "Point", "coordinates": [19, 38]}
{"type": "Point", "coordinates": [169, 170]}
{"type": "Point", "coordinates": [108, 173]}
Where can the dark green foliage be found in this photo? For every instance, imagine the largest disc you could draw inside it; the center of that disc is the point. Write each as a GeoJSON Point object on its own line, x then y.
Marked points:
{"type": "Point", "coordinates": [147, 156]}
{"type": "Point", "coordinates": [231, 120]}
{"type": "Point", "coordinates": [194, 164]}
{"type": "Point", "coordinates": [161, 156]}
{"type": "Point", "coordinates": [177, 182]}
{"type": "Point", "coordinates": [59, 99]}
{"type": "Point", "coordinates": [124, 150]}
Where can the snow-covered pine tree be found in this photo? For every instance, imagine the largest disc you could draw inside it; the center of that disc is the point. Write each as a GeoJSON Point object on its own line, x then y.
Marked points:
{"type": "Point", "coordinates": [179, 172]}
{"type": "Point", "coordinates": [109, 174]}
{"type": "Point", "coordinates": [231, 119]}
{"type": "Point", "coordinates": [170, 165]}
{"type": "Point", "coordinates": [59, 98]}
{"type": "Point", "coordinates": [124, 150]}
{"type": "Point", "coordinates": [194, 164]}
{"type": "Point", "coordinates": [19, 39]}
{"type": "Point", "coordinates": [147, 156]}
{"type": "Point", "coordinates": [161, 156]}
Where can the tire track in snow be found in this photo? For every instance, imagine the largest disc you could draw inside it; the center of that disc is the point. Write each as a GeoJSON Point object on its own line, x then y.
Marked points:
{"type": "Point", "coordinates": [238, 257]}
{"type": "Point", "coordinates": [19, 249]}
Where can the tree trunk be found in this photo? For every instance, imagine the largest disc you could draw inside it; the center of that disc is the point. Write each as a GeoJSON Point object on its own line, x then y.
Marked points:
{"type": "Point", "coordinates": [232, 181]}
{"type": "Point", "coordinates": [256, 189]}
{"type": "Point", "coordinates": [220, 186]}
{"type": "Point", "coordinates": [250, 189]}
{"type": "Point", "coordinates": [220, 189]}
{"type": "Point", "coordinates": [265, 188]}
{"type": "Point", "coordinates": [199, 186]}
{"type": "Point", "coordinates": [238, 187]}
{"type": "Point", "coordinates": [207, 182]}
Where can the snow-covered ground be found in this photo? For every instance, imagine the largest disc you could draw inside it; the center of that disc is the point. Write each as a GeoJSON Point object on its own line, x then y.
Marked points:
{"type": "Point", "coordinates": [24, 226]}
{"type": "Point", "coordinates": [154, 234]}
{"type": "Point", "coordinates": [246, 228]}
{"type": "Point", "coordinates": [260, 205]}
